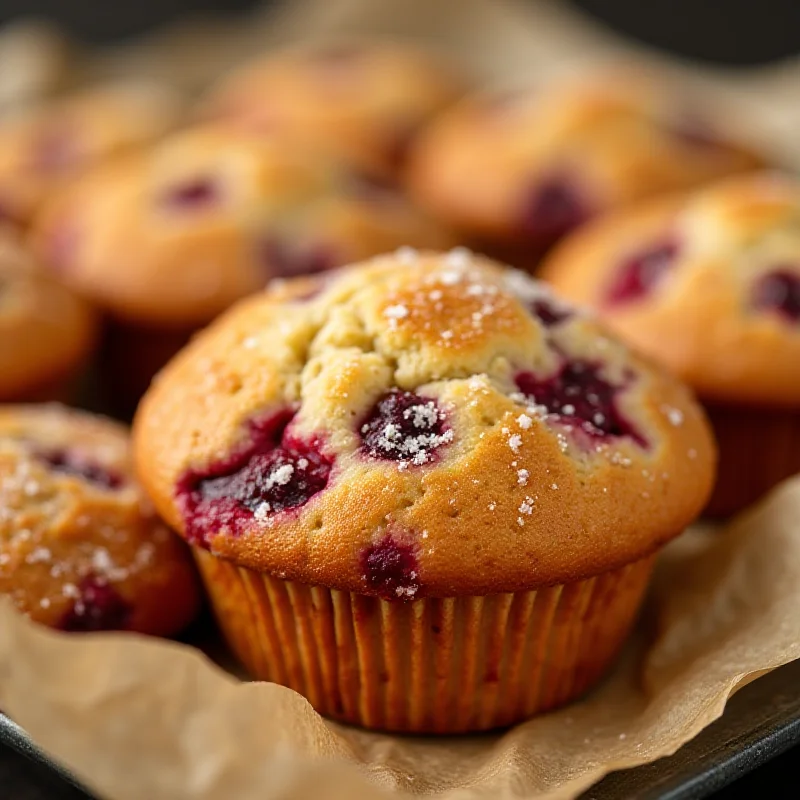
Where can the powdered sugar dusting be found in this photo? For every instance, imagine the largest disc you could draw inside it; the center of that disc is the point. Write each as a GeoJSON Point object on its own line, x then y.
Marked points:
{"type": "Point", "coordinates": [674, 415]}
{"type": "Point", "coordinates": [395, 313]}
{"type": "Point", "coordinates": [526, 506]}
{"type": "Point", "coordinates": [39, 555]}
{"type": "Point", "coordinates": [450, 277]}
{"type": "Point", "coordinates": [406, 255]}
{"type": "Point", "coordinates": [407, 428]}
{"type": "Point", "coordinates": [458, 257]}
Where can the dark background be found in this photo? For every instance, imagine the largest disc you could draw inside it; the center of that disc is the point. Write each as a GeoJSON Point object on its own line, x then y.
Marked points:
{"type": "Point", "coordinates": [743, 32]}
{"type": "Point", "coordinates": [722, 31]}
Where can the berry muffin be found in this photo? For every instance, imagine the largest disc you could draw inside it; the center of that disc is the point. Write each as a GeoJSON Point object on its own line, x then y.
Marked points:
{"type": "Point", "coordinates": [709, 284]}
{"type": "Point", "coordinates": [427, 496]}
{"type": "Point", "coordinates": [360, 100]}
{"type": "Point", "coordinates": [515, 171]}
{"type": "Point", "coordinates": [80, 547]}
{"type": "Point", "coordinates": [47, 333]}
{"type": "Point", "coordinates": [41, 148]}
{"type": "Point", "coordinates": [166, 239]}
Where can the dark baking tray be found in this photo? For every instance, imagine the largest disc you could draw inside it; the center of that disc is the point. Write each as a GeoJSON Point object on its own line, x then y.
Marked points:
{"type": "Point", "coordinates": [760, 722]}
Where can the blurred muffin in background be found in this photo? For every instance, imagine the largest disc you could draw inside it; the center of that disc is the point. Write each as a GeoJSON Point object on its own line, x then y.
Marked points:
{"type": "Point", "coordinates": [165, 239]}
{"type": "Point", "coordinates": [42, 147]}
{"type": "Point", "coordinates": [47, 334]}
{"type": "Point", "coordinates": [81, 548]}
{"type": "Point", "coordinates": [364, 101]}
{"type": "Point", "coordinates": [515, 171]}
{"type": "Point", "coordinates": [708, 283]}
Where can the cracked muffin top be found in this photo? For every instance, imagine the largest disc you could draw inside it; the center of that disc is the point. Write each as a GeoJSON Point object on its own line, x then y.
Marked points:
{"type": "Point", "coordinates": [530, 165]}
{"type": "Point", "coordinates": [364, 101]}
{"type": "Point", "coordinates": [422, 424]}
{"type": "Point", "coordinates": [46, 332]}
{"type": "Point", "coordinates": [41, 148]}
{"type": "Point", "coordinates": [175, 234]}
{"type": "Point", "coordinates": [706, 282]}
{"type": "Point", "coordinates": [80, 546]}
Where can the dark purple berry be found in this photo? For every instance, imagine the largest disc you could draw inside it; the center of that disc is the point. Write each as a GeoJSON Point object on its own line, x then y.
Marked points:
{"type": "Point", "coordinates": [71, 462]}
{"type": "Point", "coordinates": [552, 208]}
{"type": "Point", "coordinates": [98, 607]}
{"type": "Point", "coordinates": [197, 193]}
{"type": "Point", "coordinates": [403, 426]}
{"type": "Point", "coordinates": [641, 273]}
{"type": "Point", "coordinates": [274, 472]}
{"type": "Point", "coordinates": [778, 291]}
{"type": "Point", "coordinates": [390, 568]}
{"type": "Point", "coordinates": [579, 396]}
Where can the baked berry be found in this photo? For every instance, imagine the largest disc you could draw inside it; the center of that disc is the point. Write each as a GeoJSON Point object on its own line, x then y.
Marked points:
{"type": "Point", "coordinates": [578, 395]}
{"type": "Point", "coordinates": [71, 462]}
{"type": "Point", "coordinates": [390, 568]}
{"type": "Point", "coordinates": [275, 472]}
{"type": "Point", "coordinates": [550, 313]}
{"type": "Point", "coordinates": [552, 208]}
{"type": "Point", "coordinates": [641, 273]}
{"type": "Point", "coordinates": [288, 260]}
{"type": "Point", "coordinates": [779, 291]}
{"type": "Point", "coordinates": [98, 607]}
{"type": "Point", "coordinates": [197, 193]}
{"type": "Point", "coordinates": [403, 426]}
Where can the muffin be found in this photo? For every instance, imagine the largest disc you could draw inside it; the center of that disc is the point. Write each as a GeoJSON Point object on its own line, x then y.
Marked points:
{"type": "Point", "coordinates": [47, 333]}
{"type": "Point", "coordinates": [429, 495]}
{"type": "Point", "coordinates": [514, 171]}
{"type": "Point", "coordinates": [40, 148]}
{"type": "Point", "coordinates": [80, 546]}
{"type": "Point", "coordinates": [364, 101]}
{"type": "Point", "coordinates": [708, 282]}
{"type": "Point", "coordinates": [164, 240]}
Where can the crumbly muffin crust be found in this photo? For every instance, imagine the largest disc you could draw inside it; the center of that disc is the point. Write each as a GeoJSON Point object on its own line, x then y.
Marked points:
{"type": "Point", "coordinates": [45, 330]}
{"type": "Point", "coordinates": [80, 546]}
{"type": "Point", "coordinates": [706, 282]}
{"type": "Point", "coordinates": [424, 425]}
{"type": "Point", "coordinates": [530, 165]}
{"type": "Point", "coordinates": [174, 235]}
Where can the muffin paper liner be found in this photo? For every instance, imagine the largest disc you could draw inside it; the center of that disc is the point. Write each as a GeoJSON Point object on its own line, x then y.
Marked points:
{"type": "Point", "coordinates": [439, 665]}
{"type": "Point", "coordinates": [135, 717]}
{"type": "Point", "coordinates": [758, 448]}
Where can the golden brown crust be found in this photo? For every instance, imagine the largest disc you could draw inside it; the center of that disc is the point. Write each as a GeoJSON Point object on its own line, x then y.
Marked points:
{"type": "Point", "coordinates": [60, 532]}
{"type": "Point", "coordinates": [608, 140]}
{"type": "Point", "coordinates": [359, 100]}
{"type": "Point", "coordinates": [46, 332]}
{"type": "Point", "coordinates": [700, 319]}
{"type": "Point", "coordinates": [511, 501]}
{"type": "Point", "coordinates": [41, 148]}
{"type": "Point", "coordinates": [174, 235]}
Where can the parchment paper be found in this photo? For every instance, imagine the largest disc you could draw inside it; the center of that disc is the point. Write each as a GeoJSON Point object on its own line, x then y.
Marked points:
{"type": "Point", "coordinates": [139, 718]}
